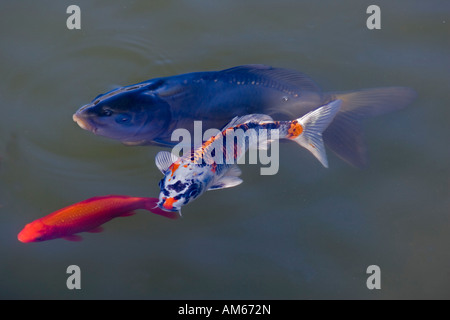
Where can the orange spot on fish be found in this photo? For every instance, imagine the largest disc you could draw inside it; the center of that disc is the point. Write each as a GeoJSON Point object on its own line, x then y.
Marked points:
{"type": "Point", "coordinates": [197, 156]}
{"type": "Point", "coordinates": [295, 129]}
{"type": "Point", "coordinates": [173, 167]}
{"type": "Point", "coordinates": [168, 203]}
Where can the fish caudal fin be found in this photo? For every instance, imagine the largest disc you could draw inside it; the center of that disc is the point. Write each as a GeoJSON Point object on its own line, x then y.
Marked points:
{"type": "Point", "coordinates": [309, 135]}
{"type": "Point", "coordinates": [151, 204]}
{"type": "Point", "coordinates": [344, 135]}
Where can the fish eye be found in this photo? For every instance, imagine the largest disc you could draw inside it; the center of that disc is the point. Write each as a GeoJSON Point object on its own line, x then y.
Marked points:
{"type": "Point", "coordinates": [106, 112]}
{"type": "Point", "coordinates": [193, 192]}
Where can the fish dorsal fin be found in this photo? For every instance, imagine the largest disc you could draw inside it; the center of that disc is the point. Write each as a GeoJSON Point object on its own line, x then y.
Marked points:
{"type": "Point", "coordinates": [264, 74]}
{"type": "Point", "coordinates": [256, 118]}
{"type": "Point", "coordinates": [230, 179]}
{"type": "Point", "coordinates": [164, 160]}
{"type": "Point", "coordinates": [248, 118]}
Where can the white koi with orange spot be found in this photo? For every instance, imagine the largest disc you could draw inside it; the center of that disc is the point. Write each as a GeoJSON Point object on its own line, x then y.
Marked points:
{"type": "Point", "coordinates": [187, 177]}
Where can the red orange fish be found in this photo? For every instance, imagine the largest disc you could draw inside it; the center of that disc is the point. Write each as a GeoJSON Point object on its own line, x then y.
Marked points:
{"type": "Point", "coordinates": [87, 215]}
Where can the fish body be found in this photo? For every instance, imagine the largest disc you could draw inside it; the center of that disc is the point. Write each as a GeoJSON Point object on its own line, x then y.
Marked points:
{"type": "Point", "coordinates": [208, 167]}
{"type": "Point", "coordinates": [148, 112]}
{"type": "Point", "coordinates": [87, 215]}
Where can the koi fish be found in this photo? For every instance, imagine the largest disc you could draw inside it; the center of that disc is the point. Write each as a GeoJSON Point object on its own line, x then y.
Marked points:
{"type": "Point", "coordinates": [87, 215]}
{"type": "Point", "coordinates": [187, 177]}
{"type": "Point", "coordinates": [148, 112]}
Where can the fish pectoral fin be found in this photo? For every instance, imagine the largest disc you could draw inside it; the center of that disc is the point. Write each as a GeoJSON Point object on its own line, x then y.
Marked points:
{"type": "Point", "coordinates": [161, 143]}
{"type": "Point", "coordinates": [166, 91]}
{"type": "Point", "coordinates": [164, 160]}
{"type": "Point", "coordinates": [230, 179]}
{"type": "Point", "coordinates": [73, 237]}
{"type": "Point", "coordinates": [128, 214]}
{"type": "Point", "coordinates": [234, 171]}
{"type": "Point", "coordinates": [226, 182]}
{"type": "Point", "coordinates": [96, 230]}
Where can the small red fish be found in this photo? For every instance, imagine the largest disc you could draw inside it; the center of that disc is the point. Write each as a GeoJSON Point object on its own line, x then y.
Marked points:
{"type": "Point", "coordinates": [87, 215]}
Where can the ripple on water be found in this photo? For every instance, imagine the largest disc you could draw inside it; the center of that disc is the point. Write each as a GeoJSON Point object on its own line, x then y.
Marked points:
{"type": "Point", "coordinates": [44, 93]}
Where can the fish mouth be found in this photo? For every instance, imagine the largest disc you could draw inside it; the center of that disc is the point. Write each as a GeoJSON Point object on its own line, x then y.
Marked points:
{"type": "Point", "coordinates": [24, 237]}
{"type": "Point", "coordinates": [167, 204]}
{"type": "Point", "coordinates": [84, 124]}
{"type": "Point", "coordinates": [173, 209]}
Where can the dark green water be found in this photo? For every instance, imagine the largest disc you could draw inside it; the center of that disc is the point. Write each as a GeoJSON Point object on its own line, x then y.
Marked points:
{"type": "Point", "coordinates": [307, 232]}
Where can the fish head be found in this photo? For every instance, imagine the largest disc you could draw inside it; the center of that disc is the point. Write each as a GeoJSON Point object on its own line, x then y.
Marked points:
{"type": "Point", "coordinates": [133, 114]}
{"type": "Point", "coordinates": [179, 188]}
{"type": "Point", "coordinates": [34, 232]}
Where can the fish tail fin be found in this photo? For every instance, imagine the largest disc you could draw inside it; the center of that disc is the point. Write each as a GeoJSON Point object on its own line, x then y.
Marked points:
{"type": "Point", "coordinates": [344, 135]}
{"type": "Point", "coordinates": [151, 204]}
{"type": "Point", "coordinates": [312, 125]}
